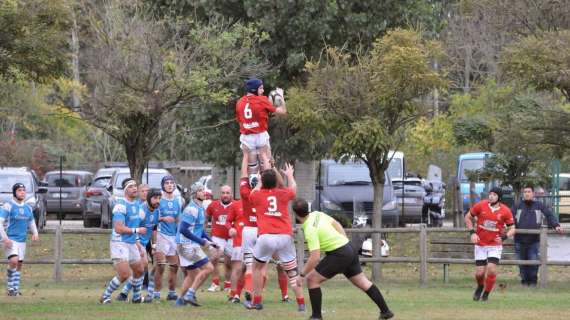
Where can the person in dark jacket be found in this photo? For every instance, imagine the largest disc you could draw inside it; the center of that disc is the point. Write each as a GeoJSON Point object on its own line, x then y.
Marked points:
{"type": "Point", "coordinates": [531, 214]}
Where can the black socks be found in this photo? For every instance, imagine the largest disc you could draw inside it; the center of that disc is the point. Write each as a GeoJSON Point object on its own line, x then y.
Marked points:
{"type": "Point", "coordinates": [374, 293]}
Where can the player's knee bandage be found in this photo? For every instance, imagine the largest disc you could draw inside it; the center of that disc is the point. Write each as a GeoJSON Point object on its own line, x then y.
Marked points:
{"type": "Point", "coordinates": [292, 271]}
{"type": "Point", "coordinates": [248, 259]}
{"type": "Point", "coordinates": [253, 163]}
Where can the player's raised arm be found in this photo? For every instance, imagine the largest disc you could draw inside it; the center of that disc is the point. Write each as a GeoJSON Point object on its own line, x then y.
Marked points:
{"type": "Point", "coordinates": [289, 173]}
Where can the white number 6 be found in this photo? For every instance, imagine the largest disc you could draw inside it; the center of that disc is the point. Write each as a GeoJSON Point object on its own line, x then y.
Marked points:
{"type": "Point", "coordinates": [247, 112]}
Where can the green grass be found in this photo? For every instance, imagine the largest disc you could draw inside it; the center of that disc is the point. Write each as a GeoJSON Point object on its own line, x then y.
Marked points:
{"type": "Point", "coordinates": [76, 297]}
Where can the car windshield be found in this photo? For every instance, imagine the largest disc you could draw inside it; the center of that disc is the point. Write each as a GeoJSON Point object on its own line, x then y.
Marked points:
{"type": "Point", "coordinates": [469, 165]}
{"type": "Point", "coordinates": [348, 174]}
{"type": "Point", "coordinates": [395, 168]}
{"type": "Point", "coordinates": [8, 180]}
{"type": "Point", "coordinates": [153, 179]}
{"type": "Point", "coordinates": [65, 181]}
{"type": "Point", "coordinates": [101, 182]}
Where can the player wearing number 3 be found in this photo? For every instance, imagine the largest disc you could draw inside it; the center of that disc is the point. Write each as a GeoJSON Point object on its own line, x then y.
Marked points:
{"type": "Point", "coordinates": [275, 233]}
{"type": "Point", "coordinates": [252, 113]}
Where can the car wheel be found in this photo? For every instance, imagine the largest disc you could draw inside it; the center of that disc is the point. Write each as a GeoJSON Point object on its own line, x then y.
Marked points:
{"type": "Point", "coordinates": [91, 223]}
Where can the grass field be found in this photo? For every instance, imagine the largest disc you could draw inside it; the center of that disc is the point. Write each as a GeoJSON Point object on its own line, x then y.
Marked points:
{"type": "Point", "coordinates": [76, 297]}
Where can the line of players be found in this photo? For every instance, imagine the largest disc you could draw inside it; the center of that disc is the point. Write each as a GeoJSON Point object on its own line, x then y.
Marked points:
{"type": "Point", "coordinates": [178, 237]}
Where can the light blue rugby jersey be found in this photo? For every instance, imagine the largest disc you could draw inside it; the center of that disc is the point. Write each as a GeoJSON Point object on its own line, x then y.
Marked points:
{"type": "Point", "coordinates": [17, 217]}
{"type": "Point", "coordinates": [169, 208]}
{"type": "Point", "coordinates": [194, 215]}
{"type": "Point", "coordinates": [132, 215]}
{"type": "Point", "coordinates": [150, 220]}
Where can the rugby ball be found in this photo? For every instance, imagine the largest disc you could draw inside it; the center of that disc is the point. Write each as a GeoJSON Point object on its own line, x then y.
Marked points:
{"type": "Point", "coordinates": [275, 98]}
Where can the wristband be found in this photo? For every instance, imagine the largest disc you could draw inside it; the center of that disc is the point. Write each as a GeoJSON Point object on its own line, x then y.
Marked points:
{"type": "Point", "coordinates": [471, 232]}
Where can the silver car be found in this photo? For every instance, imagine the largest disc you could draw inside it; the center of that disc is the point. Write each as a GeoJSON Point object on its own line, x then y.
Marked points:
{"type": "Point", "coordinates": [66, 192]}
{"type": "Point", "coordinates": [114, 188]}
{"type": "Point", "coordinates": [410, 194]}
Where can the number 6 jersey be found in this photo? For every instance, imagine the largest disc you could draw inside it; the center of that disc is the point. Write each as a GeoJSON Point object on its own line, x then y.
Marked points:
{"type": "Point", "coordinates": [252, 114]}
{"type": "Point", "coordinates": [271, 208]}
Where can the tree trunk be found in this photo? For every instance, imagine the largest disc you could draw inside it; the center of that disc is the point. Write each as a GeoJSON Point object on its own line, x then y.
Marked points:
{"type": "Point", "coordinates": [75, 60]}
{"type": "Point", "coordinates": [377, 177]}
{"type": "Point", "coordinates": [137, 159]}
{"type": "Point", "coordinates": [377, 223]}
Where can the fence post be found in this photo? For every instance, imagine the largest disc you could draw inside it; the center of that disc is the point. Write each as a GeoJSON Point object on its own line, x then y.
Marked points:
{"type": "Point", "coordinates": [423, 255]}
{"type": "Point", "coordinates": [57, 254]}
{"type": "Point", "coordinates": [300, 247]}
{"type": "Point", "coordinates": [543, 257]}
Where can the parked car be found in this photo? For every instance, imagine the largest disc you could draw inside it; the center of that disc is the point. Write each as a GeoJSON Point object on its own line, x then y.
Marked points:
{"type": "Point", "coordinates": [35, 190]}
{"type": "Point", "coordinates": [105, 172]}
{"type": "Point", "coordinates": [152, 177]}
{"type": "Point", "coordinates": [67, 189]}
{"type": "Point", "coordinates": [344, 190]}
{"type": "Point", "coordinates": [95, 197]}
{"type": "Point", "coordinates": [410, 194]}
{"type": "Point", "coordinates": [564, 192]}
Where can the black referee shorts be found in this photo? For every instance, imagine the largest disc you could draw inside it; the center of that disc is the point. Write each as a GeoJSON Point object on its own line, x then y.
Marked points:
{"type": "Point", "coordinates": [342, 260]}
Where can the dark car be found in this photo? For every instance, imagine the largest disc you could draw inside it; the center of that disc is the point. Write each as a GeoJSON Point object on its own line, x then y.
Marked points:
{"type": "Point", "coordinates": [95, 201]}
{"type": "Point", "coordinates": [345, 191]}
{"type": "Point", "coordinates": [67, 190]}
{"type": "Point", "coordinates": [35, 190]}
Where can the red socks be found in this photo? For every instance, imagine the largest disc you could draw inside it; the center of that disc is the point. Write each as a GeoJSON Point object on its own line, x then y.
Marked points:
{"type": "Point", "coordinates": [227, 285]}
{"type": "Point", "coordinates": [256, 300]}
{"type": "Point", "coordinates": [216, 281]}
{"type": "Point", "coordinates": [283, 283]}
{"type": "Point", "coordinates": [240, 285]}
{"type": "Point", "coordinates": [248, 281]}
{"type": "Point", "coordinates": [301, 300]}
{"type": "Point", "coordinates": [490, 282]}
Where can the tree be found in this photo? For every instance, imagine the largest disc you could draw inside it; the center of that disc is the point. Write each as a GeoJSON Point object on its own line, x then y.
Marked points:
{"type": "Point", "coordinates": [299, 29]}
{"type": "Point", "coordinates": [140, 69]}
{"type": "Point", "coordinates": [499, 119]}
{"type": "Point", "coordinates": [367, 101]}
{"type": "Point", "coordinates": [541, 61]}
{"type": "Point", "coordinates": [33, 41]}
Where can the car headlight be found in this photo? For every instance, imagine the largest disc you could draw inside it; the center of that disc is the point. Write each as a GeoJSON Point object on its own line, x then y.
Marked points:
{"type": "Point", "coordinates": [331, 205]}
{"type": "Point", "coordinates": [391, 205]}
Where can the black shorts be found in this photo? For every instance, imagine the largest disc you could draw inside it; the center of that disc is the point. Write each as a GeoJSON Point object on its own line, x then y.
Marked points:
{"type": "Point", "coordinates": [342, 260]}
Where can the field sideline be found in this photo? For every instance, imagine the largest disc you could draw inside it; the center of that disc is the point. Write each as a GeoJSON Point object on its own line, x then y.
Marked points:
{"type": "Point", "coordinates": [77, 295]}
{"type": "Point", "coordinates": [76, 298]}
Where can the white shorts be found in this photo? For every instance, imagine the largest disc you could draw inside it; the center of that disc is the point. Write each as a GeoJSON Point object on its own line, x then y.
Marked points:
{"type": "Point", "coordinates": [249, 237]}
{"type": "Point", "coordinates": [17, 249]}
{"type": "Point", "coordinates": [166, 244]}
{"type": "Point", "coordinates": [486, 252]}
{"type": "Point", "coordinates": [122, 251]}
{"type": "Point", "coordinates": [254, 142]}
{"type": "Point", "coordinates": [280, 245]}
{"type": "Point", "coordinates": [237, 255]}
{"type": "Point", "coordinates": [190, 254]}
{"type": "Point", "coordinates": [224, 244]}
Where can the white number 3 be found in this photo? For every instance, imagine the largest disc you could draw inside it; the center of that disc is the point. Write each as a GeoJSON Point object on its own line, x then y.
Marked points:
{"type": "Point", "coordinates": [272, 203]}
{"type": "Point", "coordinates": [247, 112]}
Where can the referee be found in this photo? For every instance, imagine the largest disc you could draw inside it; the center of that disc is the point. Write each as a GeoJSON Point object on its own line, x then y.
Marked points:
{"type": "Point", "coordinates": [323, 233]}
